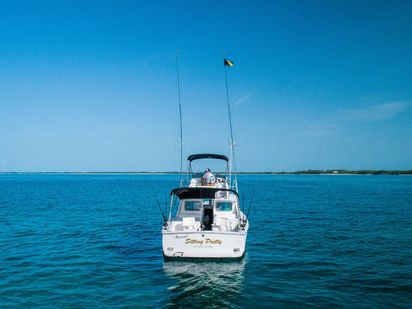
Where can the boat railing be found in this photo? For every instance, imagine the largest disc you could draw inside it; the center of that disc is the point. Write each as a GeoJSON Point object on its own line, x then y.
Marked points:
{"type": "Point", "coordinates": [196, 180]}
{"type": "Point", "coordinates": [233, 185]}
{"type": "Point", "coordinates": [219, 183]}
{"type": "Point", "coordinates": [216, 174]}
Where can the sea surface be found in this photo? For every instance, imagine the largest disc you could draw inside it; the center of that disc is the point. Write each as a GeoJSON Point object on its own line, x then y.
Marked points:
{"type": "Point", "coordinates": [93, 241]}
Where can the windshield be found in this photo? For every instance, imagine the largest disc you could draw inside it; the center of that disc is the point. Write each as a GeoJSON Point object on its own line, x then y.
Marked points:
{"type": "Point", "coordinates": [224, 206]}
{"type": "Point", "coordinates": [193, 205]}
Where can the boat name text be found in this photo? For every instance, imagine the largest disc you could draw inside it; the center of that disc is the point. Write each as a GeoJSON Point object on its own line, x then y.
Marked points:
{"type": "Point", "coordinates": [200, 242]}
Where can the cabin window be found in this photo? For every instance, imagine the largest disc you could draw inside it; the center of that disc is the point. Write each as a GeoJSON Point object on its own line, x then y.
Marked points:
{"type": "Point", "coordinates": [193, 205]}
{"type": "Point", "coordinates": [224, 206]}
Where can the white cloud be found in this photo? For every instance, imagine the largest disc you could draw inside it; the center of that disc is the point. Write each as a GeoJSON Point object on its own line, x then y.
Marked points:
{"type": "Point", "coordinates": [321, 130]}
{"type": "Point", "coordinates": [243, 99]}
{"type": "Point", "coordinates": [376, 112]}
{"type": "Point", "coordinates": [373, 113]}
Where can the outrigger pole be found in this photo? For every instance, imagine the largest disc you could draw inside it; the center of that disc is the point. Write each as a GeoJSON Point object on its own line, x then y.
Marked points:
{"type": "Point", "coordinates": [232, 143]}
{"type": "Point", "coordinates": [180, 118]}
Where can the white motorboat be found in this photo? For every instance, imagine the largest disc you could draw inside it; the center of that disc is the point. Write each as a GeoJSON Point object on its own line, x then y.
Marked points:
{"type": "Point", "coordinates": [205, 219]}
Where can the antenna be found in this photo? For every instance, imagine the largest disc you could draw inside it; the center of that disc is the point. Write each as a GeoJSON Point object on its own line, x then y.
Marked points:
{"type": "Point", "coordinates": [232, 143]}
{"type": "Point", "coordinates": [180, 118]}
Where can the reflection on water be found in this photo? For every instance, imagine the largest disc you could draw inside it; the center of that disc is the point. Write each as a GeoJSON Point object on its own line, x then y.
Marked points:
{"type": "Point", "coordinates": [205, 282]}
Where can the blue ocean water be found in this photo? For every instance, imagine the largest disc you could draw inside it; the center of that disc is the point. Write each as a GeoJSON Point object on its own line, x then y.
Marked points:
{"type": "Point", "coordinates": [315, 241]}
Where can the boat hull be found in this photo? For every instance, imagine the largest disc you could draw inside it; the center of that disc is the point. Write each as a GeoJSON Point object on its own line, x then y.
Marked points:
{"type": "Point", "coordinates": [204, 244]}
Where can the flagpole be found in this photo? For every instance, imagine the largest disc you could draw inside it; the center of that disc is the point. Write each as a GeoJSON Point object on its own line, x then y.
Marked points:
{"type": "Point", "coordinates": [232, 144]}
{"type": "Point", "coordinates": [180, 118]}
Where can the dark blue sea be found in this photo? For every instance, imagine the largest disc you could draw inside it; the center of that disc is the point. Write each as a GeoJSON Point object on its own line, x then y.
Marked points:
{"type": "Point", "coordinates": [93, 241]}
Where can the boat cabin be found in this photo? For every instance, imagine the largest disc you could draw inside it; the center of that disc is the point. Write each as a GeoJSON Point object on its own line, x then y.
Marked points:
{"type": "Point", "coordinates": [204, 209]}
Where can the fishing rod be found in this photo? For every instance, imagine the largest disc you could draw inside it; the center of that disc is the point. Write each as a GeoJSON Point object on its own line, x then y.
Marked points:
{"type": "Point", "coordinates": [160, 208]}
{"type": "Point", "coordinates": [232, 166]}
{"type": "Point", "coordinates": [180, 117]}
{"type": "Point", "coordinates": [248, 211]}
{"type": "Point", "coordinates": [243, 203]}
{"type": "Point", "coordinates": [243, 199]}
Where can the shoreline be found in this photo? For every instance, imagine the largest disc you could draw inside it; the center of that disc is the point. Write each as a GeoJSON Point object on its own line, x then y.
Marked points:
{"type": "Point", "coordinates": [306, 172]}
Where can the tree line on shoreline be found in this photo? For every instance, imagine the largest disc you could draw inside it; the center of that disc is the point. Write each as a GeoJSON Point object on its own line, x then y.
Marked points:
{"type": "Point", "coordinates": [339, 172]}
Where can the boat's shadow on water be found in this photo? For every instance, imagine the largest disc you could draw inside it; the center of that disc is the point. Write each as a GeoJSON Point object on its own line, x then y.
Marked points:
{"type": "Point", "coordinates": [210, 283]}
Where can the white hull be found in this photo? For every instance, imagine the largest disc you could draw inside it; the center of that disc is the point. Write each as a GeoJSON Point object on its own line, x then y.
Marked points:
{"type": "Point", "coordinates": [204, 244]}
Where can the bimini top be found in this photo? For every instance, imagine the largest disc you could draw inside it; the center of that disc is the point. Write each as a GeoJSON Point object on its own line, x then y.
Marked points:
{"type": "Point", "coordinates": [189, 193]}
{"type": "Point", "coordinates": [207, 156]}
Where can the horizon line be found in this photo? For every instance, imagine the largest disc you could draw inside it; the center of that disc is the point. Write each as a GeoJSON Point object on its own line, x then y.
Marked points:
{"type": "Point", "coordinates": [308, 171]}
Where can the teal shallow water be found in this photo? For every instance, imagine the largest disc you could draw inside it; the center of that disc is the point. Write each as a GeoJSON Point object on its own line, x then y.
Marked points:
{"type": "Point", "coordinates": [315, 241]}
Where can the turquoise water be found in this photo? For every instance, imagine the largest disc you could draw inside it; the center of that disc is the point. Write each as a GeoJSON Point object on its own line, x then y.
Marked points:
{"type": "Point", "coordinates": [94, 241]}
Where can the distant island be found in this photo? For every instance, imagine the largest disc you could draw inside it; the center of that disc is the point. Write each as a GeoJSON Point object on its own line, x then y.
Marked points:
{"type": "Point", "coordinates": [304, 172]}
{"type": "Point", "coordinates": [340, 172]}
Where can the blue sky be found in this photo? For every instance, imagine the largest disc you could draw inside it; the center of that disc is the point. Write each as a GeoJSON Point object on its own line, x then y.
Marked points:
{"type": "Point", "coordinates": [91, 85]}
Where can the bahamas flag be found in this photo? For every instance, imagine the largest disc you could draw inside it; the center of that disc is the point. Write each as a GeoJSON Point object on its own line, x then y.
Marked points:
{"type": "Point", "coordinates": [228, 63]}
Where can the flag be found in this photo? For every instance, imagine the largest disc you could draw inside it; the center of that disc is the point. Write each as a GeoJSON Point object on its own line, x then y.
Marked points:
{"type": "Point", "coordinates": [228, 63]}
